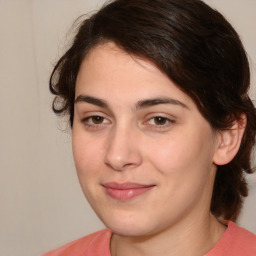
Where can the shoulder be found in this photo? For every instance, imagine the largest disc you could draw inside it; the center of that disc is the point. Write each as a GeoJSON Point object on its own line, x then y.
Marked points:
{"type": "Point", "coordinates": [96, 243]}
{"type": "Point", "coordinates": [241, 233]}
{"type": "Point", "coordinates": [236, 241]}
{"type": "Point", "coordinates": [244, 239]}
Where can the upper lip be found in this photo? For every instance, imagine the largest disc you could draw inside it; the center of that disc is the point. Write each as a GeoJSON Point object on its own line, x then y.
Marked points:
{"type": "Point", "coordinates": [126, 185]}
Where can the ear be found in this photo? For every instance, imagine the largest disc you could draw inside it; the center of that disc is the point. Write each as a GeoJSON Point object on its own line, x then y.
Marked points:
{"type": "Point", "coordinates": [229, 141]}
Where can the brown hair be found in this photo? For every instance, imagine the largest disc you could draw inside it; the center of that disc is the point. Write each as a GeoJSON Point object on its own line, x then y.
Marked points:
{"type": "Point", "coordinates": [198, 49]}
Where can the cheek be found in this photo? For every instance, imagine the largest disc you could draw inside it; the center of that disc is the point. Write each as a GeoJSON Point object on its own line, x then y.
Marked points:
{"type": "Point", "coordinates": [87, 161]}
{"type": "Point", "coordinates": [87, 154]}
{"type": "Point", "coordinates": [185, 168]}
{"type": "Point", "coordinates": [182, 153]}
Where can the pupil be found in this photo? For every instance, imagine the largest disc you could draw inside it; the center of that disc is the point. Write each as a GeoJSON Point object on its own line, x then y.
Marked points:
{"type": "Point", "coordinates": [97, 119]}
{"type": "Point", "coordinates": [160, 120]}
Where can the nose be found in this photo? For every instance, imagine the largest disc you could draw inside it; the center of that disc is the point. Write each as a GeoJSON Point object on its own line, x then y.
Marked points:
{"type": "Point", "coordinates": [122, 150]}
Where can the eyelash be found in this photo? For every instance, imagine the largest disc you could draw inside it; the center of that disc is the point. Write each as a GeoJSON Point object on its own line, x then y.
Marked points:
{"type": "Point", "coordinates": [167, 122]}
{"type": "Point", "coordinates": [88, 121]}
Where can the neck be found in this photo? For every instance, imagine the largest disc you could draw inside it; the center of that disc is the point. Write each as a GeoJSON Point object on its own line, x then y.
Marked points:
{"type": "Point", "coordinates": [197, 238]}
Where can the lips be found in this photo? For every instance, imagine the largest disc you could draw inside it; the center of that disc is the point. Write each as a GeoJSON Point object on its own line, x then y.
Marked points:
{"type": "Point", "coordinates": [126, 191]}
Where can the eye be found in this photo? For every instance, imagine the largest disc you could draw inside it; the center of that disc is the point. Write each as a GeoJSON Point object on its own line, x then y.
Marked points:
{"type": "Point", "coordinates": [95, 120]}
{"type": "Point", "coordinates": [160, 121]}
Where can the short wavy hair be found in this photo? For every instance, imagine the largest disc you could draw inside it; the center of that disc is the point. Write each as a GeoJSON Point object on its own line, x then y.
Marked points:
{"type": "Point", "coordinates": [198, 49]}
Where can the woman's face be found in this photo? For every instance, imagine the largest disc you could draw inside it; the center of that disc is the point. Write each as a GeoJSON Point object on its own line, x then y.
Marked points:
{"type": "Point", "coordinates": [143, 152]}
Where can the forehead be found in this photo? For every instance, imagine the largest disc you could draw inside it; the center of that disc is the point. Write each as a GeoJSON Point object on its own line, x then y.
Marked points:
{"type": "Point", "coordinates": [109, 57]}
{"type": "Point", "coordinates": [108, 69]}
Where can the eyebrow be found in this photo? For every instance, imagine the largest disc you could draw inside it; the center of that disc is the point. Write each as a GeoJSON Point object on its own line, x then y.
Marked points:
{"type": "Point", "coordinates": [157, 101]}
{"type": "Point", "coordinates": [139, 105]}
{"type": "Point", "coordinates": [92, 100]}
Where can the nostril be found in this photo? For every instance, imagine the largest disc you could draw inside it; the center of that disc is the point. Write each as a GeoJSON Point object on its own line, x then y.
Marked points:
{"type": "Point", "coordinates": [122, 152]}
{"type": "Point", "coordinates": [122, 162]}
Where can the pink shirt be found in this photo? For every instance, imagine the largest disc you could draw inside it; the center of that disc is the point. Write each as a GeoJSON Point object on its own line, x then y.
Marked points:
{"type": "Point", "coordinates": [236, 241]}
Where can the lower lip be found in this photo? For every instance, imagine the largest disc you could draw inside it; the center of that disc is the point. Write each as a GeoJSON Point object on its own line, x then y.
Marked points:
{"type": "Point", "coordinates": [126, 194]}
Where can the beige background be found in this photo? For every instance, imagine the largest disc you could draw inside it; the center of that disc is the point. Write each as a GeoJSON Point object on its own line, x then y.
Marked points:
{"type": "Point", "coordinates": [42, 206]}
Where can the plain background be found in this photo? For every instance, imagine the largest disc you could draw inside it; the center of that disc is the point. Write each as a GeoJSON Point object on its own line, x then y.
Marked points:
{"type": "Point", "coordinates": [42, 206]}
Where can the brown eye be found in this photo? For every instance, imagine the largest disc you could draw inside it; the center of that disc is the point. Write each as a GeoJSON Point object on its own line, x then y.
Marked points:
{"type": "Point", "coordinates": [97, 119]}
{"type": "Point", "coordinates": [158, 120]}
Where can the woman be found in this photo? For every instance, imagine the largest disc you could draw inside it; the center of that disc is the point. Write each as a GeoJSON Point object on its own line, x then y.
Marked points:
{"type": "Point", "coordinates": [162, 128]}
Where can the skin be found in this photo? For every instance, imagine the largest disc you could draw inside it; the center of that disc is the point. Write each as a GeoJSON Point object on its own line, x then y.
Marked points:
{"type": "Point", "coordinates": [118, 139]}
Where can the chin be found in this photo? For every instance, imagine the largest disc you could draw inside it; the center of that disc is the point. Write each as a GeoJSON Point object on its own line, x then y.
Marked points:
{"type": "Point", "coordinates": [129, 226]}
{"type": "Point", "coordinates": [129, 231]}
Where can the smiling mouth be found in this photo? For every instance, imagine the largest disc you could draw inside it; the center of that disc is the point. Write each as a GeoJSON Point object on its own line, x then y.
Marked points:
{"type": "Point", "coordinates": [125, 191]}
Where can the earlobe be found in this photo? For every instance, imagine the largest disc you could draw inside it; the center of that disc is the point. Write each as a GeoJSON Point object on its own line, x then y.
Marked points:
{"type": "Point", "coordinates": [229, 142]}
